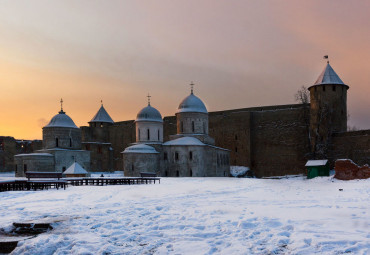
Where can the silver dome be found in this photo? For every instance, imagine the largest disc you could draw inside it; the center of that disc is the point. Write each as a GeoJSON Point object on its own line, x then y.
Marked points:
{"type": "Point", "coordinates": [149, 114]}
{"type": "Point", "coordinates": [61, 120]}
{"type": "Point", "coordinates": [192, 103]}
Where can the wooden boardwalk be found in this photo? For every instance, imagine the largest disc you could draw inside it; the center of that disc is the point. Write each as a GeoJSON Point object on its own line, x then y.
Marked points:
{"type": "Point", "coordinates": [41, 184]}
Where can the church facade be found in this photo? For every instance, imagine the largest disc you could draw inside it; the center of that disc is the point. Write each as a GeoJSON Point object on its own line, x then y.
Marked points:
{"type": "Point", "coordinates": [191, 152]}
{"type": "Point", "coordinates": [61, 148]}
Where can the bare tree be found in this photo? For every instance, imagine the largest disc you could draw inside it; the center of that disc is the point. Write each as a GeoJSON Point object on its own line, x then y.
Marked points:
{"type": "Point", "coordinates": [302, 96]}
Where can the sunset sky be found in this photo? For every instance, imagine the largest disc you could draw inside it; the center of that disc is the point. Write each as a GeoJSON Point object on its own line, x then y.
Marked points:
{"type": "Point", "coordinates": [238, 53]}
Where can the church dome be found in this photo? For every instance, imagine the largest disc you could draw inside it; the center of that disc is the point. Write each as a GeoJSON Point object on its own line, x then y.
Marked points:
{"type": "Point", "coordinates": [61, 120]}
{"type": "Point", "coordinates": [149, 113]}
{"type": "Point", "coordinates": [140, 148]}
{"type": "Point", "coordinates": [192, 103]}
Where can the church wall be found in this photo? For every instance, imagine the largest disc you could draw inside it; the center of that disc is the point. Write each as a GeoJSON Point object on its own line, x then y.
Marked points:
{"type": "Point", "coordinates": [33, 163]}
{"type": "Point", "coordinates": [65, 158]}
{"type": "Point", "coordinates": [217, 162]}
{"type": "Point", "coordinates": [183, 166]}
{"type": "Point", "coordinates": [353, 145]}
{"type": "Point", "coordinates": [66, 138]}
{"type": "Point", "coordinates": [188, 121]}
{"type": "Point", "coordinates": [135, 163]}
{"type": "Point", "coordinates": [155, 131]}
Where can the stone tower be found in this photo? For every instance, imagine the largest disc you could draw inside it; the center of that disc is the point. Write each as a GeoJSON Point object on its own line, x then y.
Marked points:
{"type": "Point", "coordinates": [328, 109]}
{"type": "Point", "coordinates": [99, 126]}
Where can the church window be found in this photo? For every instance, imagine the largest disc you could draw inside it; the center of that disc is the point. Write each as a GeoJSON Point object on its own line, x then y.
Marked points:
{"type": "Point", "coordinates": [323, 88]}
{"type": "Point", "coordinates": [192, 126]}
{"type": "Point", "coordinates": [158, 134]}
{"type": "Point", "coordinates": [165, 156]}
{"type": "Point", "coordinates": [177, 174]}
{"type": "Point", "coordinates": [64, 168]}
{"type": "Point", "coordinates": [190, 155]}
{"type": "Point", "coordinates": [182, 126]}
{"type": "Point", "coordinates": [56, 142]}
{"type": "Point", "coordinates": [148, 131]}
{"type": "Point", "coordinates": [70, 142]}
{"type": "Point", "coordinates": [166, 173]}
{"type": "Point", "coordinates": [334, 87]}
{"type": "Point", "coordinates": [191, 172]}
{"type": "Point", "coordinates": [25, 168]}
{"type": "Point", "coordinates": [176, 155]}
{"type": "Point", "coordinates": [139, 133]}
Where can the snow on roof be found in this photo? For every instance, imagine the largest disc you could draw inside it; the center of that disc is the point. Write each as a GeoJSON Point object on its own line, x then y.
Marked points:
{"type": "Point", "coordinates": [192, 103]}
{"type": "Point", "coordinates": [149, 113]}
{"type": "Point", "coordinates": [35, 154]}
{"type": "Point", "coordinates": [102, 116]}
{"type": "Point", "coordinates": [75, 168]}
{"type": "Point", "coordinates": [140, 148]}
{"type": "Point", "coordinates": [185, 141]}
{"type": "Point", "coordinates": [321, 162]}
{"type": "Point", "coordinates": [329, 76]}
{"type": "Point", "coordinates": [61, 120]}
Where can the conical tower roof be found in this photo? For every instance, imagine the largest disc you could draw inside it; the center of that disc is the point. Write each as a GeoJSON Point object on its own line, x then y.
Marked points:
{"type": "Point", "coordinates": [102, 116]}
{"type": "Point", "coordinates": [329, 76]}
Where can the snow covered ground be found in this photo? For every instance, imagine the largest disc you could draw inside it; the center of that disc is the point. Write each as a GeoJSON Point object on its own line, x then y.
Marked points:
{"type": "Point", "coordinates": [198, 216]}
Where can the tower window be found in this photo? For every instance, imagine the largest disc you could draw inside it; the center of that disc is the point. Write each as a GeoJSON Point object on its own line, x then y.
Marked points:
{"type": "Point", "coordinates": [190, 155]}
{"type": "Point", "coordinates": [236, 137]}
{"type": "Point", "coordinates": [236, 149]}
{"type": "Point", "coordinates": [334, 87]}
{"type": "Point", "coordinates": [148, 134]}
{"type": "Point", "coordinates": [323, 88]}
{"type": "Point", "coordinates": [192, 126]}
{"type": "Point", "coordinates": [176, 155]}
{"type": "Point", "coordinates": [315, 88]}
{"type": "Point", "coordinates": [56, 142]}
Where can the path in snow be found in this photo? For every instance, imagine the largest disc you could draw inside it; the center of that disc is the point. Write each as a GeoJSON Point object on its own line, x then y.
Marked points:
{"type": "Point", "coordinates": [199, 216]}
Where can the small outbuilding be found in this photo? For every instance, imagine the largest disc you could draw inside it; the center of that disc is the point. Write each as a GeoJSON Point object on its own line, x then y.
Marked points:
{"type": "Point", "coordinates": [75, 170]}
{"type": "Point", "coordinates": [317, 168]}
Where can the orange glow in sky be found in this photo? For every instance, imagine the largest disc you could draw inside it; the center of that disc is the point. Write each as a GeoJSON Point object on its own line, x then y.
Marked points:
{"type": "Point", "coordinates": [238, 53]}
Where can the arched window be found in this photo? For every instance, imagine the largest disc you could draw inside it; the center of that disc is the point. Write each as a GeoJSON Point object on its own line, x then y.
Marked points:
{"type": "Point", "coordinates": [158, 134]}
{"type": "Point", "coordinates": [191, 172]}
{"type": "Point", "coordinates": [181, 126]}
{"type": "Point", "coordinates": [166, 173]}
{"type": "Point", "coordinates": [190, 155]}
{"type": "Point", "coordinates": [177, 174]}
{"type": "Point", "coordinates": [148, 134]}
{"type": "Point", "coordinates": [70, 142]}
{"type": "Point", "coordinates": [176, 155]}
{"type": "Point", "coordinates": [56, 142]}
{"type": "Point", "coordinates": [192, 126]}
{"type": "Point", "coordinates": [139, 133]}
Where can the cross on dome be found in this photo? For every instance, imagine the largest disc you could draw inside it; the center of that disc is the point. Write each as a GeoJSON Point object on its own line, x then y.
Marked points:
{"type": "Point", "coordinates": [61, 106]}
{"type": "Point", "coordinates": [148, 96]}
{"type": "Point", "coordinates": [192, 87]}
